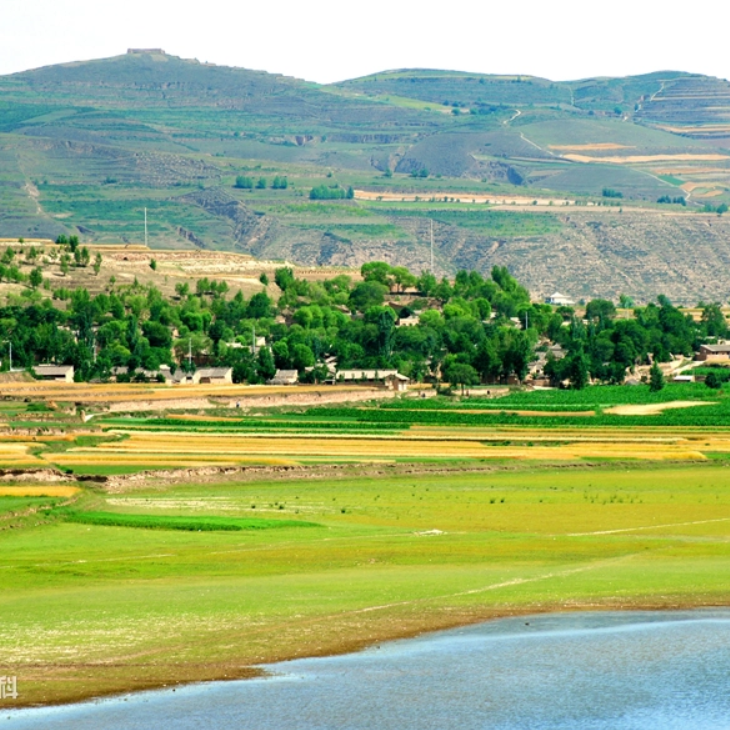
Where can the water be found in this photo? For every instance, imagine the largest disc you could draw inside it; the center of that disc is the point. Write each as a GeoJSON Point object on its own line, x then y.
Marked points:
{"type": "Point", "coordinates": [587, 671]}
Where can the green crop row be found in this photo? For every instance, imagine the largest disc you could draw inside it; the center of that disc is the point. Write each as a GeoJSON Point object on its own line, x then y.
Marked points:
{"type": "Point", "coordinates": [189, 524]}
{"type": "Point", "coordinates": [598, 396]}
{"type": "Point", "coordinates": [177, 424]}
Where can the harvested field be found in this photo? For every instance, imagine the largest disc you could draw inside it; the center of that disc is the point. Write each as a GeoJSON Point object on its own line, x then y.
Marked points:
{"type": "Point", "coordinates": [171, 449]}
{"type": "Point", "coordinates": [639, 159]}
{"type": "Point", "coordinates": [462, 198]}
{"type": "Point", "coordinates": [51, 491]}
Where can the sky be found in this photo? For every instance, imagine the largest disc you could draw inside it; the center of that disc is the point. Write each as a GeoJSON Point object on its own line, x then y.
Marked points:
{"type": "Point", "coordinates": [327, 41]}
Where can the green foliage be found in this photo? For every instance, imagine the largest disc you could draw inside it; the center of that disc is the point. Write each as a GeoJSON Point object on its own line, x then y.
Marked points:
{"type": "Point", "coordinates": [611, 193]}
{"type": "Point", "coordinates": [324, 192]}
{"type": "Point", "coordinates": [666, 199]}
{"type": "Point", "coordinates": [244, 182]}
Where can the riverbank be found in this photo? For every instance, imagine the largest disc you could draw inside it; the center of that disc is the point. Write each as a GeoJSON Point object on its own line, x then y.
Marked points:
{"type": "Point", "coordinates": [654, 670]}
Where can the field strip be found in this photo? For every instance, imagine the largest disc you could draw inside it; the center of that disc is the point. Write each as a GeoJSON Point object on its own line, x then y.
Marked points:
{"type": "Point", "coordinates": [141, 435]}
{"type": "Point", "coordinates": [645, 527]}
{"type": "Point", "coordinates": [96, 560]}
{"type": "Point", "coordinates": [55, 491]}
{"type": "Point", "coordinates": [652, 409]}
{"type": "Point", "coordinates": [638, 159]}
{"type": "Point", "coordinates": [240, 549]}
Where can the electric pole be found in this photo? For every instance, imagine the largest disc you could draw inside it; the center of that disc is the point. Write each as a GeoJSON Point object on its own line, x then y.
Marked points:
{"type": "Point", "coordinates": [431, 221]}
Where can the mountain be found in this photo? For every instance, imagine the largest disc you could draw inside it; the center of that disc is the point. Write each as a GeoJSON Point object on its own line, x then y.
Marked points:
{"type": "Point", "coordinates": [86, 147]}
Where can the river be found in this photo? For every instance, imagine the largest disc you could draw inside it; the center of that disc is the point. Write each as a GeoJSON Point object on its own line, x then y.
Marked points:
{"type": "Point", "coordinates": [587, 671]}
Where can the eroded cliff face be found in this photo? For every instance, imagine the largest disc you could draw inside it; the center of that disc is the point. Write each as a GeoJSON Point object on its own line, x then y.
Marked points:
{"type": "Point", "coordinates": [600, 253]}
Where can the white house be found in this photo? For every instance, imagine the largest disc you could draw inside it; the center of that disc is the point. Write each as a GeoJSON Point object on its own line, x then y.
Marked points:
{"type": "Point", "coordinates": [390, 379]}
{"type": "Point", "coordinates": [213, 376]}
{"type": "Point", "coordinates": [559, 300]}
{"type": "Point", "coordinates": [59, 373]}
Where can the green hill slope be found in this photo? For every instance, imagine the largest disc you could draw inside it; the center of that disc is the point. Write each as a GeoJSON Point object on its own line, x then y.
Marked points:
{"type": "Point", "coordinates": [86, 147]}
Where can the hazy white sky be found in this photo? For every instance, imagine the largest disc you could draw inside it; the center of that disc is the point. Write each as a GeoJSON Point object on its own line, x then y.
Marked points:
{"type": "Point", "coordinates": [328, 41]}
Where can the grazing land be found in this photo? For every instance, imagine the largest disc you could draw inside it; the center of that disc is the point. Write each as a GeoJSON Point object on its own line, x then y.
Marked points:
{"type": "Point", "coordinates": [184, 545]}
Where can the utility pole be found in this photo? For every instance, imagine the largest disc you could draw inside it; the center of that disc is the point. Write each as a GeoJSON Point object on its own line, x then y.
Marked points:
{"type": "Point", "coordinates": [145, 226]}
{"type": "Point", "coordinates": [253, 342]}
{"type": "Point", "coordinates": [190, 354]}
{"type": "Point", "coordinates": [431, 221]}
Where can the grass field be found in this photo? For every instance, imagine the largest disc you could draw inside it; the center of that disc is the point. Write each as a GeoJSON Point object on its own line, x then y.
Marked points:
{"type": "Point", "coordinates": [391, 553]}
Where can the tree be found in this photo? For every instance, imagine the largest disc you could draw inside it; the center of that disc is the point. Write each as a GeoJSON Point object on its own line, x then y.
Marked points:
{"type": "Point", "coordinates": [577, 370]}
{"type": "Point", "coordinates": [261, 183]}
{"type": "Point", "coordinates": [462, 374]}
{"type": "Point", "coordinates": [367, 294]}
{"type": "Point", "coordinates": [65, 263]}
{"type": "Point", "coordinates": [153, 264]}
{"type": "Point", "coordinates": [376, 271]}
{"type": "Point", "coordinates": [264, 279]}
{"type": "Point", "coordinates": [601, 310]}
{"type": "Point", "coordinates": [284, 277]}
{"type": "Point", "coordinates": [625, 301]}
{"type": "Point", "coordinates": [97, 263]}
{"type": "Point", "coordinates": [36, 277]}
{"type": "Point", "coordinates": [656, 378]}
{"type": "Point", "coordinates": [244, 183]}
{"type": "Point", "coordinates": [265, 366]}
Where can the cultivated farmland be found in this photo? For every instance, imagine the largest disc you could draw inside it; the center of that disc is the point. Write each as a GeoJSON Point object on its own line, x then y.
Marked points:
{"type": "Point", "coordinates": [187, 545]}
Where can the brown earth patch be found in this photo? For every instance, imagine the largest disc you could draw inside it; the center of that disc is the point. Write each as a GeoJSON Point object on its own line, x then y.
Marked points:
{"type": "Point", "coordinates": [634, 159]}
{"type": "Point", "coordinates": [589, 147]}
{"type": "Point", "coordinates": [655, 408]}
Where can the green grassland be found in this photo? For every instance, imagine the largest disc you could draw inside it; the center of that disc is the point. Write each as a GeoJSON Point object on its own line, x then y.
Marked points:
{"type": "Point", "coordinates": [392, 553]}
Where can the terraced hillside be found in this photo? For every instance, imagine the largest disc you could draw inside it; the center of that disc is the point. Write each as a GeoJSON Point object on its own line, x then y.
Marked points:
{"type": "Point", "coordinates": [85, 148]}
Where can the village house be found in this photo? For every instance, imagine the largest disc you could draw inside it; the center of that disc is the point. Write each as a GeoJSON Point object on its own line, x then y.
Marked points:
{"type": "Point", "coordinates": [559, 300]}
{"type": "Point", "coordinates": [212, 376]}
{"type": "Point", "coordinates": [284, 377]}
{"type": "Point", "coordinates": [388, 379]}
{"type": "Point", "coordinates": [58, 373]}
{"type": "Point", "coordinates": [713, 353]}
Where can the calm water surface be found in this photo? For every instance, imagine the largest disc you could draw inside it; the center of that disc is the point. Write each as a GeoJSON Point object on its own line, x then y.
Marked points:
{"type": "Point", "coordinates": [592, 671]}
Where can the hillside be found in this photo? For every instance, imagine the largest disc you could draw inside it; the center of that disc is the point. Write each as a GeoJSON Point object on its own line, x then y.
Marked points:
{"type": "Point", "coordinates": [86, 147]}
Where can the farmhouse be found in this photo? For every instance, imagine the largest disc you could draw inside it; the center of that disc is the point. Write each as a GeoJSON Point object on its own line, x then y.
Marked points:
{"type": "Point", "coordinates": [389, 379]}
{"type": "Point", "coordinates": [59, 373]}
{"type": "Point", "coordinates": [713, 352]}
{"type": "Point", "coordinates": [212, 376]}
{"type": "Point", "coordinates": [559, 300]}
{"type": "Point", "coordinates": [284, 377]}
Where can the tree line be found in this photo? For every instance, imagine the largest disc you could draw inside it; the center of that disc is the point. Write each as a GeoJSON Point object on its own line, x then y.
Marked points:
{"type": "Point", "coordinates": [471, 329]}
